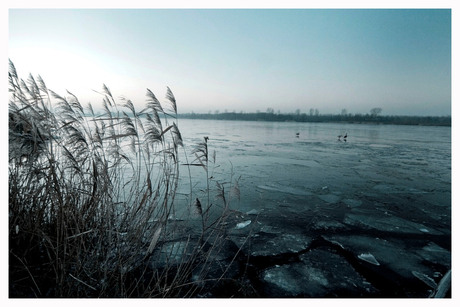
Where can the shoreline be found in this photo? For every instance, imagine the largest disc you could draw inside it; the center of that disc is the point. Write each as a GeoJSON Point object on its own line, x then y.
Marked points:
{"type": "Point", "coordinates": [439, 121]}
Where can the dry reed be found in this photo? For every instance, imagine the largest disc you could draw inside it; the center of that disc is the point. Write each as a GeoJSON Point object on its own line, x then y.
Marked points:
{"type": "Point", "coordinates": [92, 198]}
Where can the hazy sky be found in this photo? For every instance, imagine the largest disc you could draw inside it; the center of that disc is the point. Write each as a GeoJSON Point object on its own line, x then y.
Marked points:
{"type": "Point", "coordinates": [249, 60]}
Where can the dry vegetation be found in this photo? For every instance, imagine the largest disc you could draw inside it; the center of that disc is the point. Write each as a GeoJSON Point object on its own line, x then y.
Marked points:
{"type": "Point", "coordinates": [92, 199]}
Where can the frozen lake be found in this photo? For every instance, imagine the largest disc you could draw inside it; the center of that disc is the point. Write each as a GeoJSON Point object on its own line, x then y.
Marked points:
{"type": "Point", "coordinates": [377, 206]}
{"type": "Point", "coordinates": [279, 168]}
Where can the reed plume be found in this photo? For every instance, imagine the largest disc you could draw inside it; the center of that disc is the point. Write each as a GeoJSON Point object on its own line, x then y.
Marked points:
{"type": "Point", "coordinates": [92, 196]}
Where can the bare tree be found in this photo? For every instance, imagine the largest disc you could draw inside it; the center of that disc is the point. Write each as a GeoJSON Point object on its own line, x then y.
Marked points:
{"type": "Point", "coordinates": [376, 111]}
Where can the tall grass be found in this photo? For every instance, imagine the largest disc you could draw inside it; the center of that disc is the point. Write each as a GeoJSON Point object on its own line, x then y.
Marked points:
{"type": "Point", "coordinates": [92, 198]}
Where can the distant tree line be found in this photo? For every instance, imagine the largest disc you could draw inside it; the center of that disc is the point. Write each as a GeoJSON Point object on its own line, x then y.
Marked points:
{"type": "Point", "coordinates": [373, 117]}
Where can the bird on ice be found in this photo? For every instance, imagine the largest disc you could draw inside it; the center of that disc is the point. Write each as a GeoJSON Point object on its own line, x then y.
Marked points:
{"type": "Point", "coordinates": [340, 136]}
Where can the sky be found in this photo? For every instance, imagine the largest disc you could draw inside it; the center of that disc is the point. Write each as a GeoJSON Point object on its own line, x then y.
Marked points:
{"type": "Point", "coordinates": [243, 59]}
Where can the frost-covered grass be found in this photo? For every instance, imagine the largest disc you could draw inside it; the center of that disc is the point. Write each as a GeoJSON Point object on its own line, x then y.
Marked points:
{"type": "Point", "coordinates": [92, 198]}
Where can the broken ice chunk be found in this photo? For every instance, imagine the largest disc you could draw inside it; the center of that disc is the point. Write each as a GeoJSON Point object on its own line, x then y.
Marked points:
{"type": "Point", "coordinates": [243, 224]}
{"type": "Point", "coordinates": [369, 258]}
{"type": "Point", "coordinates": [443, 286]}
{"type": "Point", "coordinates": [426, 279]}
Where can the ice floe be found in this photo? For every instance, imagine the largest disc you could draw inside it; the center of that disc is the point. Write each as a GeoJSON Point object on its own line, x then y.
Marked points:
{"type": "Point", "coordinates": [387, 223]}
